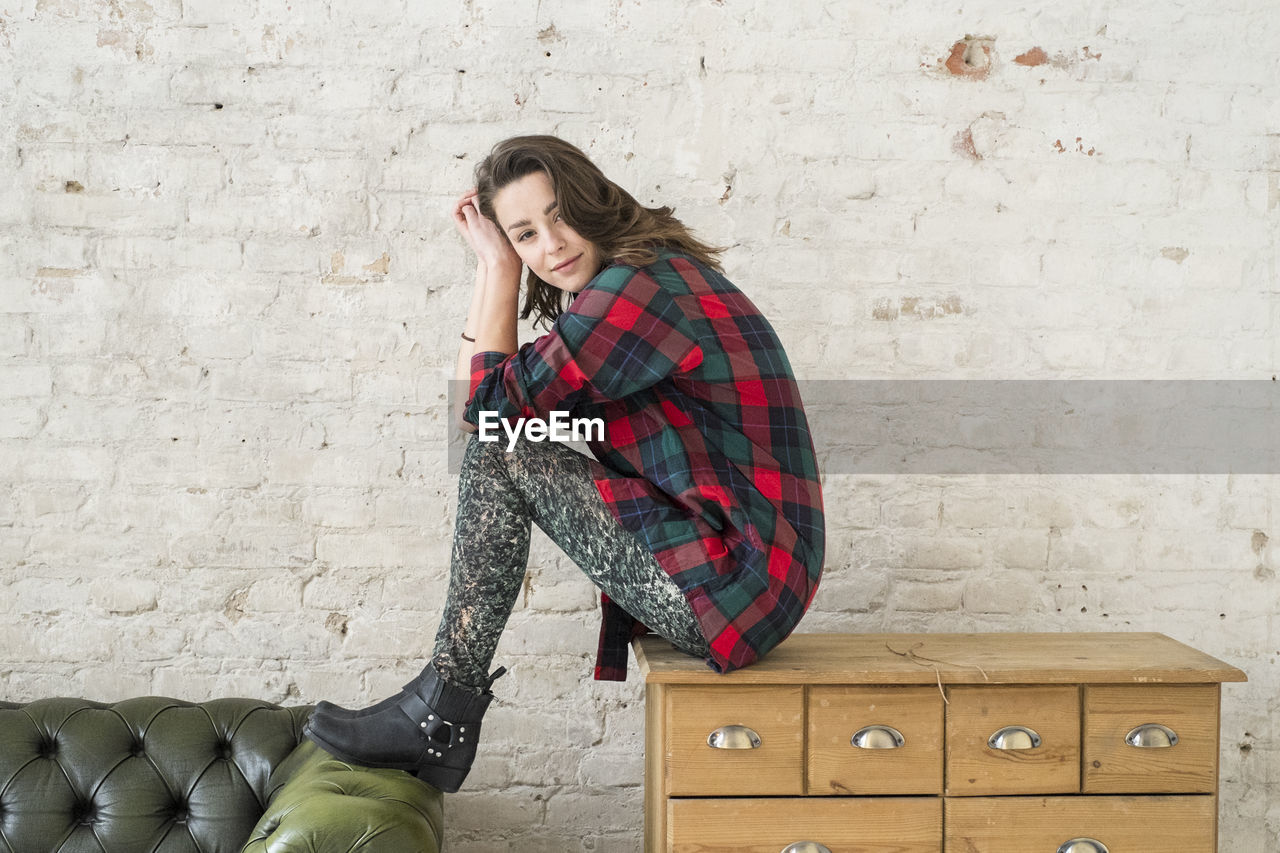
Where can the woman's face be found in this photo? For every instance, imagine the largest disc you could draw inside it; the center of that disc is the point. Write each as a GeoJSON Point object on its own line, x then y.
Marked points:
{"type": "Point", "coordinates": [529, 215]}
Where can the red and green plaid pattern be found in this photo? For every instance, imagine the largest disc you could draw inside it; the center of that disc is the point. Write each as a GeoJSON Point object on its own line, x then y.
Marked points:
{"type": "Point", "coordinates": [707, 455]}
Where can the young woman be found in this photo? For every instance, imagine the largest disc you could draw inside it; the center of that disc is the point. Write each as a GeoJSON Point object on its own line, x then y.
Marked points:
{"type": "Point", "coordinates": [700, 517]}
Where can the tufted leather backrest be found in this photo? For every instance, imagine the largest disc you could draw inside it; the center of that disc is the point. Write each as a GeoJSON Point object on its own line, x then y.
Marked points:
{"type": "Point", "coordinates": [149, 774]}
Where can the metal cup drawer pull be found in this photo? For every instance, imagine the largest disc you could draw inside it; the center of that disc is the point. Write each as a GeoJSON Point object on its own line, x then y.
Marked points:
{"type": "Point", "coordinates": [1152, 736]}
{"type": "Point", "coordinates": [1083, 845]}
{"type": "Point", "coordinates": [806, 847]}
{"type": "Point", "coordinates": [733, 737]}
{"type": "Point", "coordinates": [1014, 737]}
{"type": "Point", "coordinates": [877, 737]}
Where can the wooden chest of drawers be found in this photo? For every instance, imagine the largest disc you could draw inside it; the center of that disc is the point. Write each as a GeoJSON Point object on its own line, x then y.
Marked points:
{"type": "Point", "coordinates": [925, 743]}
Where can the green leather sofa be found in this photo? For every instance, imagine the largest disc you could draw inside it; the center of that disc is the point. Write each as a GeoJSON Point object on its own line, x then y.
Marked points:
{"type": "Point", "coordinates": [153, 775]}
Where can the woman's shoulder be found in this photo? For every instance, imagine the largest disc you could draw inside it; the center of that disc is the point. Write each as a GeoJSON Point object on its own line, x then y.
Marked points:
{"type": "Point", "coordinates": [673, 274]}
{"type": "Point", "coordinates": [617, 274]}
{"type": "Point", "coordinates": [669, 265]}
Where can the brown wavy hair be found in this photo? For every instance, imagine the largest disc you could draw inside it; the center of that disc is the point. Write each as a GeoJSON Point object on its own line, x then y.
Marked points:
{"type": "Point", "coordinates": [624, 230]}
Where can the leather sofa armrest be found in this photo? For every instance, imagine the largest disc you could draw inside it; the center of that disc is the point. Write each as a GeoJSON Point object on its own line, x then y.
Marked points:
{"type": "Point", "coordinates": [322, 805]}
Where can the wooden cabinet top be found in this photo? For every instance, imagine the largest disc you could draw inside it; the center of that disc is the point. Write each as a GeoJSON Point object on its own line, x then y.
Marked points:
{"type": "Point", "coordinates": [998, 658]}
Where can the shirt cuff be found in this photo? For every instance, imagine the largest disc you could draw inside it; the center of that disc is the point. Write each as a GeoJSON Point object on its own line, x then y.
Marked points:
{"type": "Point", "coordinates": [481, 364]}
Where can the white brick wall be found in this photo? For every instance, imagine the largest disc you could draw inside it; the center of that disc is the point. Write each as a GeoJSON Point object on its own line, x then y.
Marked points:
{"type": "Point", "coordinates": [226, 331]}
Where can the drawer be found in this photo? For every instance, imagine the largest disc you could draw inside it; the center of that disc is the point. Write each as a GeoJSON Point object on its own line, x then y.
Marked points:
{"type": "Point", "coordinates": [837, 766]}
{"type": "Point", "coordinates": [1113, 766]}
{"type": "Point", "coordinates": [771, 762]}
{"type": "Point", "coordinates": [1044, 824]}
{"type": "Point", "coordinates": [841, 825]}
{"type": "Point", "coordinates": [975, 714]}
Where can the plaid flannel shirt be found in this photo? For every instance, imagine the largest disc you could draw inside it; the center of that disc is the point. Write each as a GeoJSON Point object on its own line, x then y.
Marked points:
{"type": "Point", "coordinates": [707, 455]}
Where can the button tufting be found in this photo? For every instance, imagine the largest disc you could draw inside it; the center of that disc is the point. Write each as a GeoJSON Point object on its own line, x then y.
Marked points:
{"type": "Point", "coordinates": [147, 756]}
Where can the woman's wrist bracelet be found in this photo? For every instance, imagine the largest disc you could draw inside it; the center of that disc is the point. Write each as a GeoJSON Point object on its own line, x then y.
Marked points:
{"type": "Point", "coordinates": [465, 338]}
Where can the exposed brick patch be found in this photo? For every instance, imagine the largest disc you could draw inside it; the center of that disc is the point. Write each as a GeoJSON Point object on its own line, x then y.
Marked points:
{"type": "Point", "coordinates": [963, 144]}
{"type": "Point", "coordinates": [1079, 149]}
{"type": "Point", "coordinates": [336, 623]}
{"type": "Point", "coordinates": [1258, 542]}
{"type": "Point", "coordinates": [929, 308]}
{"type": "Point", "coordinates": [1035, 56]}
{"type": "Point", "coordinates": [234, 609]}
{"type": "Point", "coordinates": [920, 307]}
{"type": "Point", "coordinates": [971, 57]}
{"type": "Point", "coordinates": [884, 309]}
{"type": "Point", "coordinates": [381, 266]}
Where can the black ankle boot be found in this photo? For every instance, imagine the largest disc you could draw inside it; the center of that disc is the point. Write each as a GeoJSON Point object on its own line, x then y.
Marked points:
{"type": "Point", "coordinates": [429, 729]}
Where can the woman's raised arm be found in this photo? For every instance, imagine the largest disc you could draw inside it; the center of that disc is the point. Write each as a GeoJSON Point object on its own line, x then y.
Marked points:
{"type": "Point", "coordinates": [491, 319]}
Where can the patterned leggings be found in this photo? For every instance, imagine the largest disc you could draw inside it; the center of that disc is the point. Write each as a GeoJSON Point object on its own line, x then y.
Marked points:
{"type": "Point", "coordinates": [500, 494]}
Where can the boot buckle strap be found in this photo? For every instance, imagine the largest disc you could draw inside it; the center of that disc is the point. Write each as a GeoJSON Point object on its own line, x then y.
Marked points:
{"type": "Point", "coordinates": [425, 717]}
